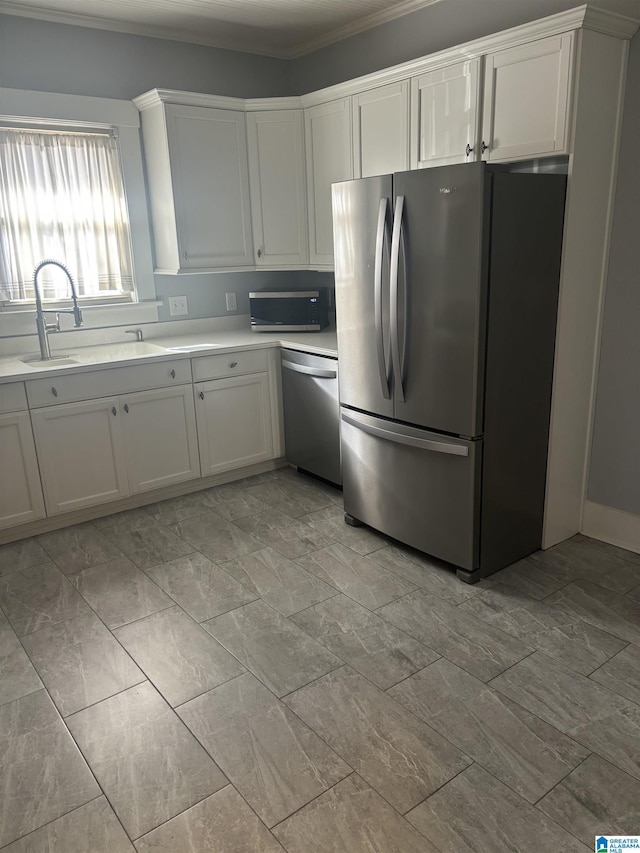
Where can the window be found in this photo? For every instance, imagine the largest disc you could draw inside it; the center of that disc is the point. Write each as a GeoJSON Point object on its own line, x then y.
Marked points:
{"type": "Point", "coordinates": [62, 197]}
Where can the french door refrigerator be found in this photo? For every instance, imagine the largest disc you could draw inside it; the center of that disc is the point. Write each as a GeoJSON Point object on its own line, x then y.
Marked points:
{"type": "Point", "coordinates": [446, 299]}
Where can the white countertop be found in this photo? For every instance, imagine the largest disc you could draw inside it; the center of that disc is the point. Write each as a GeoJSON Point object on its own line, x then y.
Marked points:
{"type": "Point", "coordinates": [14, 369]}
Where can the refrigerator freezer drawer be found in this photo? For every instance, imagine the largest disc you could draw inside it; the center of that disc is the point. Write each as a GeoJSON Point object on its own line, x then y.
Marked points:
{"type": "Point", "coordinates": [419, 487]}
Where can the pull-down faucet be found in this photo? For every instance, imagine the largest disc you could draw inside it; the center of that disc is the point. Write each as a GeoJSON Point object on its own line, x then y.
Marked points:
{"type": "Point", "coordinates": [41, 324]}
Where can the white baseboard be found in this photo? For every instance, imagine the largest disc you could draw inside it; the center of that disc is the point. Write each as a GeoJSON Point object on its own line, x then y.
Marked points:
{"type": "Point", "coordinates": [611, 525]}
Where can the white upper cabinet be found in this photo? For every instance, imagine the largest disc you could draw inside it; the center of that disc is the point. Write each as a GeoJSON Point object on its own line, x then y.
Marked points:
{"type": "Point", "coordinates": [275, 142]}
{"type": "Point", "coordinates": [381, 130]}
{"type": "Point", "coordinates": [444, 115]}
{"type": "Point", "coordinates": [526, 100]}
{"type": "Point", "coordinates": [329, 159]}
{"type": "Point", "coordinates": [197, 171]}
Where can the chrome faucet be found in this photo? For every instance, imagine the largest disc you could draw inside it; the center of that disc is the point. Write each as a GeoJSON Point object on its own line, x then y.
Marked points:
{"type": "Point", "coordinates": [41, 324]}
{"type": "Point", "coordinates": [137, 332]}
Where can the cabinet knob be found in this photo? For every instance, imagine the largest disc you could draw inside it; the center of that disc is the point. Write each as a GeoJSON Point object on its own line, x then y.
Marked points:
{"type": "Point", "coordinates": [172, 374]}
{"type": "Point", "coordinates": [114, 411]}
{"type": "Point", "coordinates": [54, 391]}
{"type": "Point", "coordinates": [126, 408]}
{"type": "Point", "coordinates": [184, 255]}
{"type": "Point", "coordinates": [484, 147]}
{"type": "Point", "coordinates": [201, 395]}
{"type": "Point", "coordinates": [259, 253]}
{"type": "Point", "coordinates": [468, 149]}
{"type": "Point", "coordinates": [233, 364]}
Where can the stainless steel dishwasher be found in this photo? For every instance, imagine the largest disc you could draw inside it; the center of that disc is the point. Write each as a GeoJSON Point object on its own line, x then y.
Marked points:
{"type": "Point", "coordinates": [311, 413]}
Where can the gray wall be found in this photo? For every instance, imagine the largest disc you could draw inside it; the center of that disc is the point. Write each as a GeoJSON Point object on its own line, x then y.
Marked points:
{"type": "Point", "coordinates": [614, 474]}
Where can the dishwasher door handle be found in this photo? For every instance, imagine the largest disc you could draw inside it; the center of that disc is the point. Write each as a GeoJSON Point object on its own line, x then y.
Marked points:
{"type": "Point", "coordinates": [320, 372]}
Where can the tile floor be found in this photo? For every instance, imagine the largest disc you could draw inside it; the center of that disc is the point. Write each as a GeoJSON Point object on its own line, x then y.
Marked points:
{"type": "Point", "coordinates": [238, 671]}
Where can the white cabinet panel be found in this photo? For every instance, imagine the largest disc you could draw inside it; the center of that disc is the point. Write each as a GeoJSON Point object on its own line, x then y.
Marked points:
{"type": "Point", "coordinates": [329, 159]}
{"type": "Point", "coordinates": [444, 115]}
{"type": "Point", "coordinates": [234, 422]}
{"type": "Point", "coordinates": [160, 437]}
{"type": "Point", "coordinates": [526, 100]}
{"type": "Point", "coordinates": [20, 490]}
{"type": "Point", "coordinates": [81, 454]}
{"type": "Point", "coordinates": [275, 142]}
{"type": "Point", "coordinates": [381, 131]}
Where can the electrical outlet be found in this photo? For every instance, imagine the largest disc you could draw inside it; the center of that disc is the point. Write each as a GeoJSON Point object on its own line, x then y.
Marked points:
{"type": "Point", "coordinates": [178, 305]}
{"type": "Point", "coordinates": [232, 301]}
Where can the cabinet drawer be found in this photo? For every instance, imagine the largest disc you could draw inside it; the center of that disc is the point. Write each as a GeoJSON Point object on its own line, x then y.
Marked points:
{"type": "Point", "coordinates": [230, 364]}
{"type": "Point", "coordinates": [12, 397]}
{"type": "Point", "coordinates": [106, 383]}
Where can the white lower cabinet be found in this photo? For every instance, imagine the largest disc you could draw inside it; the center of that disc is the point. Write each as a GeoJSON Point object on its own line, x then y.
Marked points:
{"type": "Point", "coordinates": [234, 422]}
{"type": "Point", "coordinates": [20, 492]}
{"type": "Point", "coordinates": [95, 452]}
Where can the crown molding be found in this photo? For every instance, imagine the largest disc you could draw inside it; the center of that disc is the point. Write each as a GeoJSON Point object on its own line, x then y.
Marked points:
{"type": "Point", "coordinates": [610, 23]}
{"type": "Point", "coordinates": [254, 104]}
{"type": "Point", "coordinates": [190, 99]}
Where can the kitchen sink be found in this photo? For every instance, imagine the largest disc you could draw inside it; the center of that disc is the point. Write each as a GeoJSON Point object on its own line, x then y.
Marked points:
{"type": "Point", "coordinates": [54, 361]}
{"type": "Point", "coordinates": [116, 351]}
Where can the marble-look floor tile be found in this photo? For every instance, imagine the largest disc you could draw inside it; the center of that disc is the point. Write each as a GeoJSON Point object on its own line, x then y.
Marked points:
{"type": "Point", "coordinates": [289, 536]}
{"type": "Point", "coordinates": [557, 633]}
{"type": "Point", "coordinates": [425, 573]}
{"type": "Point", "coordinates": [256, 479]}
{"type": "Point", "coordinates": [596, 799]}
{"type": "Point", "coordinates": [231, 502]}
{"type": "Point", "coordinates": [200, 587]}
{"type": "Point", "coordinates": [395, 752]}
{"type": "Point", "coordinates": [375, 648]}
{"type": "Point", "coordinates": [39, 596]}
{"type": "Point", "coordinates": [613, 550]}
{"type": "Point", "coordinates": [80, 662]}
{"type": "Point", "coordinates": [591, 564]}
{"type": "Point", "coordinates": [475, 646]}
{"type": "Point", "coordinates": [79, 547]}
{"type": "Point", "coordinates": [350, 818]}
{"type": "Point", "coordinates": [613, 613]}
{"type": "Point", "coordinates": [42, 773]}
{"type": "Point", "coordinates": [622, 674]}
{"type": "Point", "coordinates": [634, 594]}
{"type": "Point", "coordinates": [147, 762]}
{"type": "Point", "coordinates": [177, 509]}
{"type": "Point", "coordinates": [518, 748]}
{"type": "Point", "coordinates": [279, 581]}
{"type": "Point", "coordinates": [358, 577]}
{"type": "Point", "coordinates": [290, 496]}
{"type": "Point", "coordinates": [144, 540]}
{"type": "Point", "coordinates": [529, 578]}
{"type": "Point", "coordinates": [223, 823]}
{"type": "Point", "coordinates": [474, 813]}
{"type": "Point", "coordinates": [594, 716]}
{"type": "Point", "coordinates": [274, 649]}
{"type": "Point", "coordinates": [217, 538]}
{"type": "Point", "coordinates": [330, 522]}
{"type": "Point", "coordinates": [90, 829]}
{"type": "Point", "coordinates": [119, 593]}
{"type": "Point", "coordinates": [17, 675]}
{"type": "Point", "coordinates": [21, 555]}
{"type": "Point", "coordinates": [179, 657]}
{"type": "Point", "coordinates": [272, 758]}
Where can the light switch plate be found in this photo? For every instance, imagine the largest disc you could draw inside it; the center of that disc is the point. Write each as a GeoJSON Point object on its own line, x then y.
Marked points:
{"type": "Point", "coordinates": [178, 306]}
{"type": "Point", "coordinates": [232, 301]}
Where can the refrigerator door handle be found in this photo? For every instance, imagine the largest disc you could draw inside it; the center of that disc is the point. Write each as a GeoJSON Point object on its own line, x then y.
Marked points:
{"type": "Point", "coordinates": [381, 238]}
{"type": "Point", "coordinates": [394, 264]}
{"type": "Point", "coordinates": [319, 372]}
{"type": "Point", "coordinates": [401, 438]}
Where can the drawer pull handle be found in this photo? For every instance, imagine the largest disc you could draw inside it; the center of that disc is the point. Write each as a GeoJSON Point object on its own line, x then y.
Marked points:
{"type": "Point", "coordinates": [233, 364]}
{"type": "Point", "coordinates": [483, 147]}
{"type": "Point", "coordinates": [126, 408]}
{"type": "Point", "coordinates": [201, 395]}
{"type": "Point", "coordinates": [54, 391]}
{"type": "Point", "coordinates": [172, 374]}
{"type": "Point", "coordinates": [114, 411]}
{"type": "Point", "coordinates": [468, 149]}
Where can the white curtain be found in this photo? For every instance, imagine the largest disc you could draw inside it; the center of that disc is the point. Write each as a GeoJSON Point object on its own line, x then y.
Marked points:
{"type": "Point", "coordinates": [62, 197]}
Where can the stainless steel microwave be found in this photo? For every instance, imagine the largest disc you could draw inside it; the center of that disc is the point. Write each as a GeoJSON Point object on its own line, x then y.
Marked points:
{"type": "Point", "coordinates": [289, 310]}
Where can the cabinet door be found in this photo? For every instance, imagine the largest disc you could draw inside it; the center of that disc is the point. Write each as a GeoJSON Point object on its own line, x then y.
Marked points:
{"type": "Point", "coordinates": [329, 159]}
{"type": "Point", "coordinates": [444, 115]}
{"type": "Point", "coordinates": [275, 142]}
{"type": "Point", "coordinates": [234, 422]}
{"type": "Point", "coordinates": [160, 437]}
{"type": "Point", "coordinates": [381, 131]}
{"type": "Point", "coordinates": [210, 179]}
{"type": "Point", "coordinates": [526, 100]}
{"type": "Point", "coordinates": [20, 490]}
{"type": "Point", "coordinates": [81, 454]}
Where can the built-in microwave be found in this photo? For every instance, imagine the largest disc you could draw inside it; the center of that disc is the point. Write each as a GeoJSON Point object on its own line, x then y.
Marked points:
{"type": "Point", "coordinates": [289, 310]}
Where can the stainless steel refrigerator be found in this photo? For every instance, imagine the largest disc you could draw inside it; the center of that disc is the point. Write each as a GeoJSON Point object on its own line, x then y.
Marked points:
{"type": "Point", "coordinates": [446, 299]}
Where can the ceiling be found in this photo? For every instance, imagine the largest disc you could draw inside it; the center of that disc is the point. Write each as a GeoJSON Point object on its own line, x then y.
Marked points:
{"type": "Point", "coordinates": [281, 28]}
